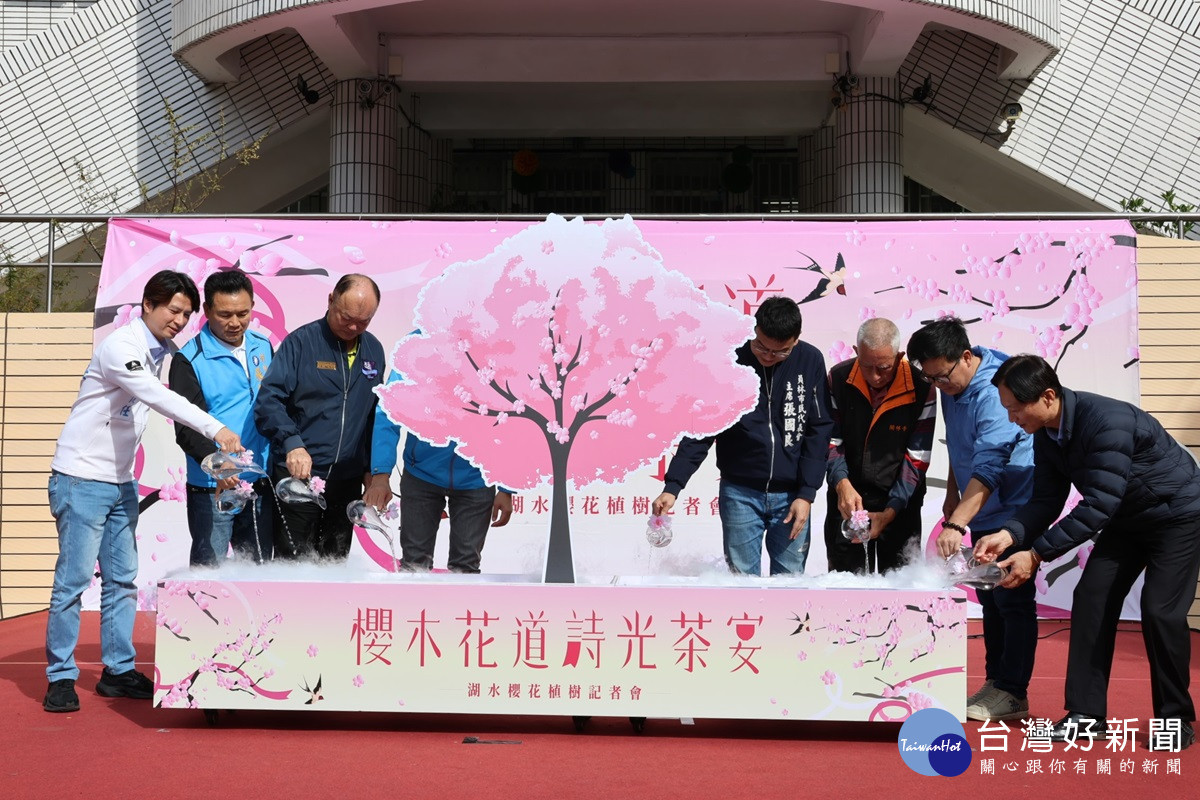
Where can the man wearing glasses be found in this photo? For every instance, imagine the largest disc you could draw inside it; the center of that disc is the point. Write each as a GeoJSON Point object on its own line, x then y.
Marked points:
{"type": "Point", "coordinates": [990, 477]}
{"type": "Point", "coordinates": [773, 460]}
{"type": "Point", "coordinates": [883, 417]}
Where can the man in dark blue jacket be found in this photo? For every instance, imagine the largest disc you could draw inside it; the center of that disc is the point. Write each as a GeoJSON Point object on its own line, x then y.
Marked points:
{"type": "Point", "coordinates": [1141, 502]}
{"type": "Point", "coordinates": [772, 461]}
{"type": "Point", "coordinates": [316, 406]}
{"type": "Point", "coordinates": [220, 370]}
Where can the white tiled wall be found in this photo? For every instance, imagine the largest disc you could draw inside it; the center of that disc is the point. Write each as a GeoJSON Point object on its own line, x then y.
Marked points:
{"type": "Point", "coordinates": [20, 20]}
{"type": "Point", "coordinates": [91, 89]}
{"type": "Point", "coordinates": [1116, 114]}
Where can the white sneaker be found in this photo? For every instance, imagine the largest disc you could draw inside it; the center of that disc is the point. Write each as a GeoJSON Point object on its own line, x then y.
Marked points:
{"type": "Point", "coordinates": [973, 698]}
{"type": "Point", "coordinates": [997, 704]}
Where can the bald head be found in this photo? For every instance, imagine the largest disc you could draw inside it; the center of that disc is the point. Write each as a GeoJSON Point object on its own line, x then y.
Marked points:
{"type": "Point", "coordinates": [352, 304]}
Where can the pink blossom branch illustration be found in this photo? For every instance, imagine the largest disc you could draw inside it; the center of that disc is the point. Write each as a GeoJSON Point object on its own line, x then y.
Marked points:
{"type": "Point", "coordinates": [230, 674]}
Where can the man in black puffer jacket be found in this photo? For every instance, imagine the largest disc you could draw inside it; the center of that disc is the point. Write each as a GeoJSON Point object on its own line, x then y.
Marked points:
{"type": "Point", "coordinates": [1141, 502]}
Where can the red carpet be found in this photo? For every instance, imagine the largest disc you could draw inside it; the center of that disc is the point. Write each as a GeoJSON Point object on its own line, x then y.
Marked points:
{"type": "Point", "coordinates": [126, 748]}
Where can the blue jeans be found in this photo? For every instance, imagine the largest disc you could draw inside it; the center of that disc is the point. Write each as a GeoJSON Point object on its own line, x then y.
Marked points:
{"type": "Point", "coordinates": [212, 531]}
{"type": "Point", "coordinates": [745, 515]}
{"type": "Point", "coordinates": [95, 521]}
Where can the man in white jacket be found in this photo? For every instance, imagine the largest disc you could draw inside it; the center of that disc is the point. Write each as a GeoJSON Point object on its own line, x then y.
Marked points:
{"type": "Point", "coordinates": [93, 493]}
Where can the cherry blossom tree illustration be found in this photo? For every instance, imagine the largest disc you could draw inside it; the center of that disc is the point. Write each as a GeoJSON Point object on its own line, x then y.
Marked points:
{"type": "Point", "coordinates": [569, 353]}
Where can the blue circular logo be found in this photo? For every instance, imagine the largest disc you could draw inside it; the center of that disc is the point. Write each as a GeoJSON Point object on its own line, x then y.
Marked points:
{"type": "Point", "coordinates": [932, 742]}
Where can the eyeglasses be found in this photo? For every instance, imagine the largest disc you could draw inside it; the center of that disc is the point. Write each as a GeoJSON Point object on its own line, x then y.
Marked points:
{"type": "Point", "coordinates": [759, 348]}
{"type": "Point", "coordinates": [942, 379]}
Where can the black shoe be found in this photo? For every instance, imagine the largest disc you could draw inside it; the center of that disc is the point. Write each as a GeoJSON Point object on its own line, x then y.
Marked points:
{"type": "Point", "coordinates": [60, 696]}
{"type": "Point", "coordinates": [1078, 727]}
{"type": "Point", "coordinates": [1187, 736]}
{"type": "Point", "coordinates": [128, 684]}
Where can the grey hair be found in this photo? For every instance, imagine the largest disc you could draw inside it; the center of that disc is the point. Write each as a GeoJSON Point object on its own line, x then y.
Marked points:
{"type": "Point", "coordinates": [877, 333]}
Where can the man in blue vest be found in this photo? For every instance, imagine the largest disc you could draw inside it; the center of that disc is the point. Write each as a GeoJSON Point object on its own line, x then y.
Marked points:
{"type": "Point", "coordinates": [220, 370]}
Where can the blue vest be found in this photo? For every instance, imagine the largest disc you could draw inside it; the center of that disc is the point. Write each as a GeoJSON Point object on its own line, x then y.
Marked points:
{"type": "Point", "coordinates": [228, 391]}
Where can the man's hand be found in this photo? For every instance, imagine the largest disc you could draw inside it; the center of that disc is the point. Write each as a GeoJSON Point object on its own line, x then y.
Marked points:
{"type": "Point", "coordinates": [226, 484]}
{"type": "Point", "coordinates": [501, 509]}
{"type": "Point", "coordinates": [663, 504]}
{"type": "Point", "coordinates": [229, 441]}
{"type": "Point", "coordinates": [849, 500]}
{"type": "Point", "coordinates": [798, 515]}
{"type": "Point", "coordinates": [299, 464]}
{"type": "Point", "coordinates": [989, 547]}
{"type": "Point", "coordinates": [880, 520]}
{"type": "Point", "coordinates": [948, 542]}
{"type": "Point", "coordinates": [377, 491]}
{"type": "Point", "coordinates": [1021, 567]}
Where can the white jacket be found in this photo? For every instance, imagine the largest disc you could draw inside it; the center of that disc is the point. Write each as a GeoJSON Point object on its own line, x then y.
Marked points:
{"type": "Point", "coordinates": [100, 438]}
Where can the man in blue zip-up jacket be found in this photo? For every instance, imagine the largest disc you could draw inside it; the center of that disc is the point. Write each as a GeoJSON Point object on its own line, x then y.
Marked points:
{"type": "Point", "coordinates": [433, 478]}
{"type": "Point", "coordinates": [772, 460]}
{"type": "Point", "coordinates": [990, 477]}
{"type": "Point", "coordinates": [220, 370]}
{"type": "Point", "coordinates": [316, 407]}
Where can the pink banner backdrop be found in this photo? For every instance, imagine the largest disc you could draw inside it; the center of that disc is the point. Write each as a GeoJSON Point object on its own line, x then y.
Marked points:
{"type": "Point", "coordinates": [1066, 290]}
{"type": "Point", "coordinates": [426, 646]}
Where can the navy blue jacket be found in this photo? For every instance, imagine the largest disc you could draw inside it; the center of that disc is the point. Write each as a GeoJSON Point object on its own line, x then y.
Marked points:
{"type": "Point", "coordinates": [1131, 473]}
{"type": "Point", "coordinates": [780, 446]}
{"type": "Point", "coordinates": [310, 399]}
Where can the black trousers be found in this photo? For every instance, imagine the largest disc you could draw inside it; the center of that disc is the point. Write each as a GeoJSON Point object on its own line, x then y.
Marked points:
{"type": "Point", "coordinates": [304, 530]}
{"type": "Point", "coordinates": [1171, 558]}
{"type": "Point", "coordinates": [886, 552]}
{"type": "Point", "coordinates": [421, 507]}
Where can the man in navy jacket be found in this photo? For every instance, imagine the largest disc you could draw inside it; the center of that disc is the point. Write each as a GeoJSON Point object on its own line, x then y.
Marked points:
{"type": "Point", "coordinates": [772, 461]}
{"type": "Point", "coordinates": [316, 406]}
{"type": "Point", "coordinates": [220, 370]}
{"type": "Point", "coordinates": [1141, 502]}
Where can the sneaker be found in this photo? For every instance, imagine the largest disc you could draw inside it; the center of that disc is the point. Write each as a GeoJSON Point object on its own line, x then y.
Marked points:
{"type": "Point", "coordinates": [127, 684]}
{"type": "Point", "coordinates": [1078, 727]}
{"type": "Point", "coordinates": [996, 703]}
{"type": "Point", "coordinates": [60, 696]}
{"type": "Point", "coordinates": [974, 698]}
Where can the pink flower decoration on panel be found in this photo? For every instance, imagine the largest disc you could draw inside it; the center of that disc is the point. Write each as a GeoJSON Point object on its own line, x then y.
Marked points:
{"type": "Point", "coordinates": [126, 314]}
{"type": "Point", "coordinates": [580, 346]}
{"type": "Point", "coordinates": [840, 351]}
{"type": "Point", "coordinates": [176, 488]}
{"type": "Point", "coordinates": [918, 701]}
{"type": "Point", "coordinates": [1082, 555]}
{"type": "Point", "coordinates": [829, 677]}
